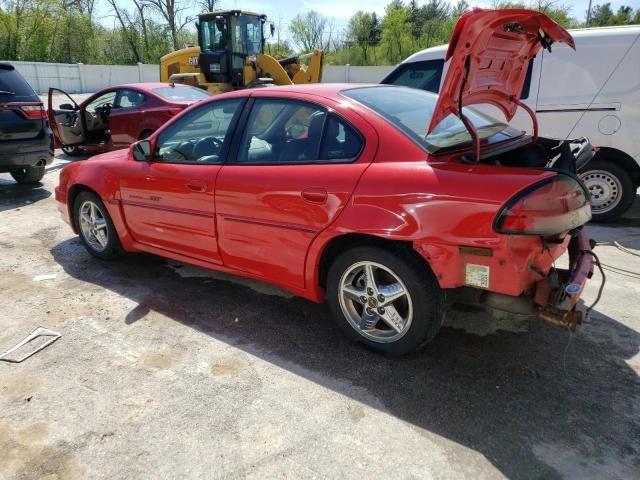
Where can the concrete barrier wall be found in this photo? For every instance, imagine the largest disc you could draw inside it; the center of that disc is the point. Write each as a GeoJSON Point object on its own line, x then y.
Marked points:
{"type": "Point", "coordinates": [351, 74]}
{"type": "Point", "coordinates": [79, 78]}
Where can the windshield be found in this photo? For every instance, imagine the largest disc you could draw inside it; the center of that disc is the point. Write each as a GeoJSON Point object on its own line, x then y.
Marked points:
{"type": "Point", "coordinates": [181, 93]}
{"type": "Point", "coordinates": [247, 34]}
{"type": "Point", "coordinates": [214, 34]}
{"type": "Point", "coordinates": [410, 110]}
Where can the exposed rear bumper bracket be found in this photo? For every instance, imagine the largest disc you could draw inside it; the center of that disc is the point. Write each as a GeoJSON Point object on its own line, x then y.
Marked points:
{"type": "Point", "coordinates": [557, 303]}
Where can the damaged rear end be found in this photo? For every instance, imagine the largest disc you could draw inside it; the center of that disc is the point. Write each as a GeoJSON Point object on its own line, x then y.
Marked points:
{"type": "Point", "coordinates": [488, 54]}
{"type": "Point", "coordinates": [554, 210]}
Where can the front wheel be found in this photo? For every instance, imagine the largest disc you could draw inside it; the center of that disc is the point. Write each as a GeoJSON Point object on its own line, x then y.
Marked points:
{"type": "Point", "coordinates": [72, 151]}
{"type": "Point", "coordinates": [611, 187]}
{"type": "Point", "coordinates": [97, 232]}
{"type": "Point", "coordinates": [387, 299]}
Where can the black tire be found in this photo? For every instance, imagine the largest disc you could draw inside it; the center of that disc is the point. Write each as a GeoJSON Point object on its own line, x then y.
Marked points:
{"type": "Point", "coordinates": [615, 179]}
{"type": "Point", "coordinates": [72, 151]}
{"type": "Point", "coordinates": [425, 296]}
{"type": "Point", "coordinates": [28, 174]}
{"type": "Point", "coordinates": [145, 134]}
{"type": "Point", "coordinates": [112, 248]}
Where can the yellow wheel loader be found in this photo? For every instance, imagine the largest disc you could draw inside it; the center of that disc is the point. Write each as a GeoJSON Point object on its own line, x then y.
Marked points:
{"type": "Point", "coordinates": [231, 56]}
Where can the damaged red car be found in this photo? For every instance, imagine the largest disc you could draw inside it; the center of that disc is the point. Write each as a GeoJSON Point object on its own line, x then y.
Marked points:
{"type": "Point", "coordinates": [115, 117]}
{"type": "Point", "coordinates": [386, 202]}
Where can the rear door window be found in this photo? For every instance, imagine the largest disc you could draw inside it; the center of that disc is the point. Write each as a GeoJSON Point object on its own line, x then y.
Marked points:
{"type": "Point", "coordinates": [340, 141]}
{"type": "Point", "coordinates": [423, 75]}
{"type": "Point", "coordinates": [129, 99]}
{"type": "Point", "coordinates": [287, 132]}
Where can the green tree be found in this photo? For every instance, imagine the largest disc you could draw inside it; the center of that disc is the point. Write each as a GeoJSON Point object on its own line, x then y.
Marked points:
{"type": "Point", "coordinates": [361, 31]}
{"type": "Point", "coordinates": [311, 30]}
{"type": "Point", "coordinates": [396, 28]}
{"type": "Point", "coordinates": [459, 9]}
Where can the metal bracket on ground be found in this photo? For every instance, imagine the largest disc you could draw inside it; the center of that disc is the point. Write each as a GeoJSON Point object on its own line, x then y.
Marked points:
{"type": "Point", "coordinates": [38, 332]}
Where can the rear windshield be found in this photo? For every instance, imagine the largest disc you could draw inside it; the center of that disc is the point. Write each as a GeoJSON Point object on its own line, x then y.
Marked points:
{"type": "Point", "coordinates": [410, 110]}
{"type": "Point", "coordinates": [181, 94]}
{"type": "Point", "coordinates": [14, 88]}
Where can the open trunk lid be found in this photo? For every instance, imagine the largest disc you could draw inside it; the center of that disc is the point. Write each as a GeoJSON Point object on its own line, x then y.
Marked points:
{"type": "Point", "coordinates": [489, 53]}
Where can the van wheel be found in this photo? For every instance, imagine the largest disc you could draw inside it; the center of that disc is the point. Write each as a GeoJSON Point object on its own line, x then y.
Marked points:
{"type": "Point", "coordinates": [145, 134]}
{"type": "Point", "coordinates": [96, 229]}
{"type": "Point", "coordinates": [611, 188]}
{"type": "Point", "coordinates": [28, 174]}
{"type": "Point", "coordinates": [384, 299]}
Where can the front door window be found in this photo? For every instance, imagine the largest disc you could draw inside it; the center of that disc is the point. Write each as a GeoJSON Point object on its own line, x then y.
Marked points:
{"type": "Point", "coordinates": [200, 136]}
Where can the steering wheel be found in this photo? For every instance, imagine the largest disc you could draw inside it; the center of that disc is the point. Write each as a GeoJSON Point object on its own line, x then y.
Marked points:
{"type": "Point", "coordinates": [206, 146]}
{"type": "Point", "coordinates": [103, 111]}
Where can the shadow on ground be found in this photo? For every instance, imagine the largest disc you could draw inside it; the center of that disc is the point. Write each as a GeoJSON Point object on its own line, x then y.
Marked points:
{"type": "Point", "coordinates": [14, 195]}
{"type": "Point", "coordinates": [536, 405]}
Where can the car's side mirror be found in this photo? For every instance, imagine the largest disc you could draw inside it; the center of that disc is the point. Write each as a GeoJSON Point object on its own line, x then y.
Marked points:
{"type": "Point", "coordinates": [67, 106]}
{"type": "Point", "coordinates": [142, 150]}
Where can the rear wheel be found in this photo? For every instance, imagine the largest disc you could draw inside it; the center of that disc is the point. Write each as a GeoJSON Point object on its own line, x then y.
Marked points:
{"type": "Point", "coordinates": [97, 232]}
{"type": "Point", "coordinates": [28, 174]}
{"type": "Point", "coordinates": [386, 299]}
{"type": "Point", "coordinates": [611, 188]}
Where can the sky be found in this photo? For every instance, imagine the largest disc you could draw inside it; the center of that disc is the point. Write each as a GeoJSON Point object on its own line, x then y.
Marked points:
{"type": "Point", "coordinates": [341, 10]}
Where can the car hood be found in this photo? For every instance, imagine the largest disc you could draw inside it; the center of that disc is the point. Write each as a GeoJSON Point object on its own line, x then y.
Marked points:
{"type": "Point", "coordinates": [496, 46]}
{"type": "Point", "coordinates": [121, 154]}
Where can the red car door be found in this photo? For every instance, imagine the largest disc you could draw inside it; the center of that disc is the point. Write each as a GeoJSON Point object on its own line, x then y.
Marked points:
{"type": "Point", "coordinates": [64, 118]}
{"type": "Point", "coordinates": [168, 201]}
{"type": "Point", "coordinates": [295, 166]}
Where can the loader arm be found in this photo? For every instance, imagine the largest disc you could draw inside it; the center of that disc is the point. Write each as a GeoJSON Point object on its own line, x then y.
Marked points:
{"type": "Point", "coordinates": [287, 71]}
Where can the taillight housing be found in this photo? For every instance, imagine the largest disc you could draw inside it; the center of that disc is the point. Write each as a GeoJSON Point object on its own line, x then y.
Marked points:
{"type": "Point", "coordinates": [553, 206]}
{"type": "Point", "coordinates": [34, 112]}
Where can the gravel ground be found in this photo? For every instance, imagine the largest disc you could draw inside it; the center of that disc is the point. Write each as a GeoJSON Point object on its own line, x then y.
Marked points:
{"type": "Point", "coordinates": [170, 371]}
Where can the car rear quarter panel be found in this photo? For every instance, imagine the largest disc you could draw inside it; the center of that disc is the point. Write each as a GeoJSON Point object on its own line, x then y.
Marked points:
{"type": "Point", "coordinates": [440, 207]}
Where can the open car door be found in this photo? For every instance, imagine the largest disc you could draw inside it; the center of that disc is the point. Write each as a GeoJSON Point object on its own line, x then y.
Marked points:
{"type": "Point", "coordinates": [65, 120]}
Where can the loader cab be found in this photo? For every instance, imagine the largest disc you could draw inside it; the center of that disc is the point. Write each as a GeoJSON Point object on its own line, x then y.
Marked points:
{"type": "Point", "coordinates": [226, 39]}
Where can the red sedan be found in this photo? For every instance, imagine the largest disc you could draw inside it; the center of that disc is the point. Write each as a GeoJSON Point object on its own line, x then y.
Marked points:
{"type": "Point", "coordinates": [116, 117]}
{"type": "Point", "coordinates": [334, 192]}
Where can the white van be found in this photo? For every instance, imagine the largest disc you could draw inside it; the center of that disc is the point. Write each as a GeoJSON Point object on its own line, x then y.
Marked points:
{"type": "Point", "coordinates": [591, 92]}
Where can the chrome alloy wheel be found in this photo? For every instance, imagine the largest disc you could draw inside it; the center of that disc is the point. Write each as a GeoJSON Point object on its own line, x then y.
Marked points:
{"type": "Point", "coordinates": [605, 190]}
{"type": "Point", "coordinates": [375, 302]}
{"type": "Point", "coordinates": [93, 226]}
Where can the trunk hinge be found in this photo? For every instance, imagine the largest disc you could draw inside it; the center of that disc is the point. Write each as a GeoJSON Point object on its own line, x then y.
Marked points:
{"type": "Point", "coordinates": [467, 123]}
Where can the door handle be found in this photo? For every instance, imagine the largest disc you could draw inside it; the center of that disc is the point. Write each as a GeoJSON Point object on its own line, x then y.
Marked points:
{"type": "Point", "coordinates": [315, 195]}
{"type": "Point", "coordinates": [197, 185]}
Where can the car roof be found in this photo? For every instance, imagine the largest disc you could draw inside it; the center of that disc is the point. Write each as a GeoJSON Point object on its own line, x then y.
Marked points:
{"type": "Point", "coordinates": [327, 90]}
{"type": "Point", "coordinates": [149, 86]}
{"type": "Point", "coordinates": [578, 33]}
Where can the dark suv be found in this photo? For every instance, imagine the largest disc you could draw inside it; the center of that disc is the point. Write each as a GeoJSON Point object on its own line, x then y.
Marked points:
{"type": "Point", "coordinates": [26, 141]}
